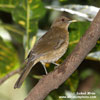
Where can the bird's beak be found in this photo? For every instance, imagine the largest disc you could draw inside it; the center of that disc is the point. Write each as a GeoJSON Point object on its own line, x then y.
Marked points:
{"type": "Point", "coordinates": [72, 21]}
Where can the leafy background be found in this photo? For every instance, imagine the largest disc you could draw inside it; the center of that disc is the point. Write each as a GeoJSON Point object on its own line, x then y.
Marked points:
{"type": "Point", "coordinates": [22, 22]}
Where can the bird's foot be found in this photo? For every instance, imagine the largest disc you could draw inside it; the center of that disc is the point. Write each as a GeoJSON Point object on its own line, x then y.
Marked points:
{"type": "Point", "coordinates": [56, 65]}
{"type": "Point", "coordinates": [46, 72]}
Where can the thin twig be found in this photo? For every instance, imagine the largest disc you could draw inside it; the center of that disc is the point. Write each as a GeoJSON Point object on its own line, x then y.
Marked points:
{"type": "Point", "coordinates": [2, 80]}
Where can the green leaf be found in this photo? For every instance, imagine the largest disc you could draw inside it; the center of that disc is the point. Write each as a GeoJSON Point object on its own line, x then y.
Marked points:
{"type": "Point", "coordinates": [15, 31]}
{"type": "Point", "coordinates": [13, 28]}
{"type": "Point", "coordinates": [8, 58]}
{"type": "Point", "coordinates": [76, 30]}
{"type": "Point", "coordinates": [8, 5]}
{"type": "Point", "coordinates": [27, 14]}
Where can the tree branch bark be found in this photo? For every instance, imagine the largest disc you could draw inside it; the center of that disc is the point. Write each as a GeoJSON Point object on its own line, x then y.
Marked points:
{"type": "Point", "coordinates": [54, 79]}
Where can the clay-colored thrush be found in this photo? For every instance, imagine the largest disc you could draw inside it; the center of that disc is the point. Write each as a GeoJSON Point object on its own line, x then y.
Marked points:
{"type": "Point", "coordinates": [49, 48]}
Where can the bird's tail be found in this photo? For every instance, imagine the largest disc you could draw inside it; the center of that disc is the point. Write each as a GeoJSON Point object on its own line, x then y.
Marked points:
{"type": "Point", "coordinates": [24, 74]}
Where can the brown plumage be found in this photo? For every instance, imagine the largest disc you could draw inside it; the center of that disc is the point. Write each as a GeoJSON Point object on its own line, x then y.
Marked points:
{"type": "Point", "coordinates": [49, 48]}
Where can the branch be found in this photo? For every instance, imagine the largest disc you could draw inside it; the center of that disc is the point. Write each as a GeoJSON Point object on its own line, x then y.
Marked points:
{"type": "Point", "coordinates": [54, 79]}
{"type": "Point", "coordinates": [9, 75]}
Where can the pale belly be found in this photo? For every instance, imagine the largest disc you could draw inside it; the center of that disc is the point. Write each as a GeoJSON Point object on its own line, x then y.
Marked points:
{"type": "Point", "coordinates": [53, 56]}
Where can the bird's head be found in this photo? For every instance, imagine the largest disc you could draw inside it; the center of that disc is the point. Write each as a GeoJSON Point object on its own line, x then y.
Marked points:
{"type": "Point", "coordinates": [62, 22]}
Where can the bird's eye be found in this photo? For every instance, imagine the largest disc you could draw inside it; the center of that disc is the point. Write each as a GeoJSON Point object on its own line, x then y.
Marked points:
{"type": "Point", "coordinates": [63, 19]}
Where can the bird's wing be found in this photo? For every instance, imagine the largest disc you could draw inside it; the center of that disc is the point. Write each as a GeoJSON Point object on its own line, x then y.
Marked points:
{"type": "Point", "coordinates": [52, 40]}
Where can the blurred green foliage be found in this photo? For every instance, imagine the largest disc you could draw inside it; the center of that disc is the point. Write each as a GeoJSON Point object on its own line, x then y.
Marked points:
{"type": "Point", "coordinates": [25, 13]}
{"type": "Point", "coordinates": [25, 16]}
{"type": "Point", "coordinates": [76, 30]}
{"type": "Point", "coordinates": [8, 58]}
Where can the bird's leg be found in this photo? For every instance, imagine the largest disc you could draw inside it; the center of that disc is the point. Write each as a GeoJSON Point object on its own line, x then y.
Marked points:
{"type": "Point", "coordinates": [44, 67]}
{"type": "Point", "coordinates": [56, 65]}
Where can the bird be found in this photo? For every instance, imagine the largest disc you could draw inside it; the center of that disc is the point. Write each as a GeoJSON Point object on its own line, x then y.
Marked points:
{"type": "Point", "coordinates": [49, 48]}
